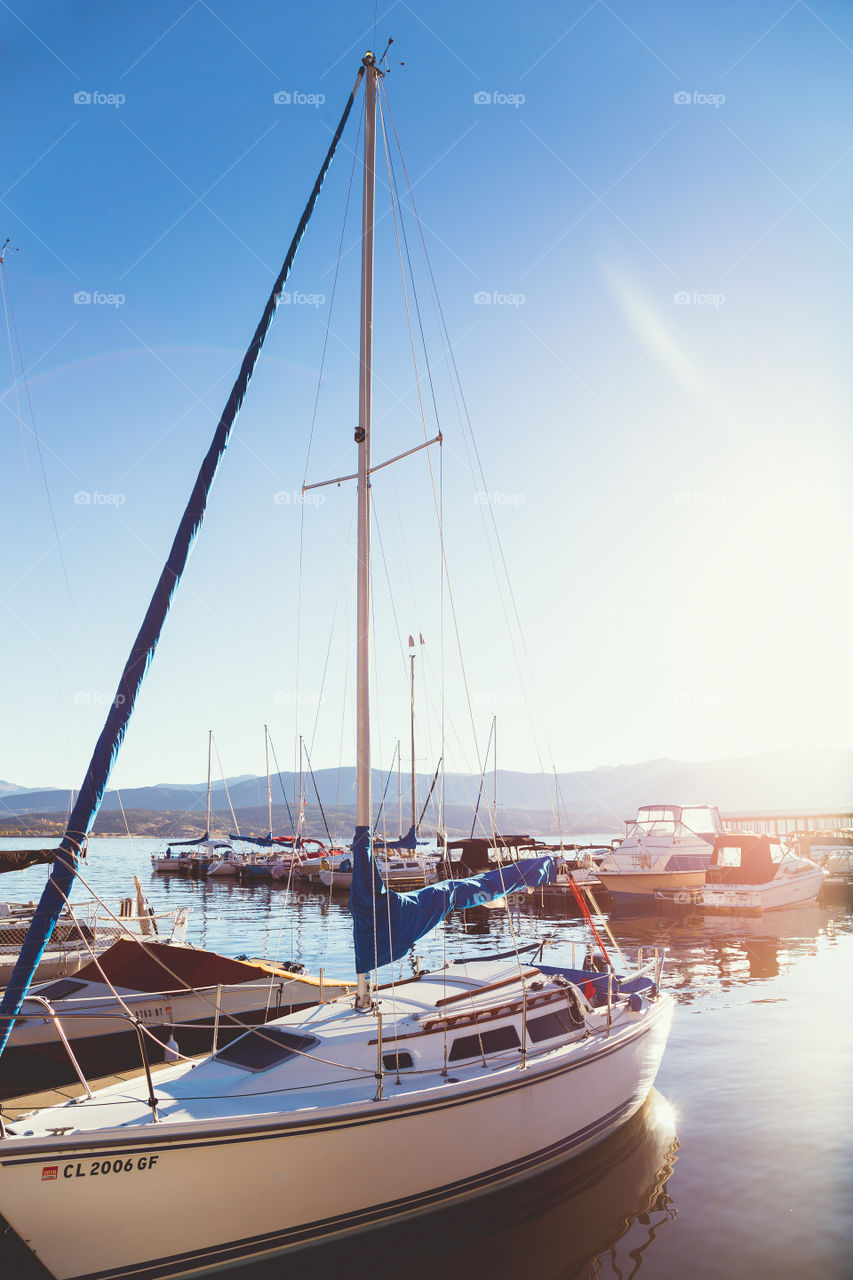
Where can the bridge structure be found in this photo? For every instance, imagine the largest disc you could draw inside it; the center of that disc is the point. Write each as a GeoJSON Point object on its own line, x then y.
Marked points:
{"type": "Point", "coordinates": [789, 823]}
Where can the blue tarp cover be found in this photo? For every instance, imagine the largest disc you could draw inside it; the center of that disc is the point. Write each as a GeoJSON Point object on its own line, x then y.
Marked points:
{"type": "Point", "coordinates": [408, 841]}
{"type": "Point", "coordinates": [385, 924]}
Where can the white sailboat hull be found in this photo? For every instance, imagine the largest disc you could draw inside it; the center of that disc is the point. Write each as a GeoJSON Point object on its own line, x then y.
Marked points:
{"type": "Point", "coordinates": [223, 869]}
{"type": "Point", "coordinates": [56, 963]}
{"type": "Point", "coordinates": [108, 1205]}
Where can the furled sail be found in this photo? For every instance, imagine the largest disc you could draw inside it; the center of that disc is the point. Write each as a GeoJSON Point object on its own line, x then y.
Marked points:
{"type": "Point", "coordinates": [408, 841]}
{"type": "Point", "coordinates": [386, 923]}
{"type": "Point", "coordinates": [91, 792]}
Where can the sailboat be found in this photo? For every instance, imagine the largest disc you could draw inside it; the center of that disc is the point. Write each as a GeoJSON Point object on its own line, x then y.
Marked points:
{"type": "Point", "coordinates": [187, 998]}
{"type": "Point", "coordinates": [202, 856]}
{"type": "Point", "coordinates": [357, 1112]}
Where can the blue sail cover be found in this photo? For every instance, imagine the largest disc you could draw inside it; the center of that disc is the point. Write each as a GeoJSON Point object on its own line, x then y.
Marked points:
{"type": "Point", "coordinates": [91, 793]}
{"type": "Point", "coordinates": [385, 924]}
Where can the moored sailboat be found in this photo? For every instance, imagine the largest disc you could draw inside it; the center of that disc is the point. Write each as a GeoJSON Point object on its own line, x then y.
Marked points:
{"type": "Point", "coordinates": [486, 1069]}
{"type": "Point", "coordinates": [190, 997]}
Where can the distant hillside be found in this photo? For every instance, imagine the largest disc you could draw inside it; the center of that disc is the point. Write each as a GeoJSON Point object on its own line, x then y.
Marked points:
{"type": "Point", "coordinates": [794, 779]}
{"type": "Point", "coordinates": [178, 825]}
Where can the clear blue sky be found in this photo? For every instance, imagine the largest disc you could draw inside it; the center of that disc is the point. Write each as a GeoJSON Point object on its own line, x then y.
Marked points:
{"type": "Point", "coordinates": [663, 194]}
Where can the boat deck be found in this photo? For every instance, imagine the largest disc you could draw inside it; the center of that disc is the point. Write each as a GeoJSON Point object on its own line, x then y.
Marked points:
{"type": "Point", "coordinates": [330, 1059]}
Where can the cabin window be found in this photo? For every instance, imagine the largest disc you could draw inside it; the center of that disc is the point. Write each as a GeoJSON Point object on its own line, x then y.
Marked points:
{"type": "Point", "coordinates": [485, 1042]}
{"type": "Point", "coordinates": [397, 1061]}
{"type": "Point", "coordinates": [549, 1026]}
{"type": "Point", "coordinates": [60, 990]}
{"type": "Point", "coordinates": [777, 851]}
{"type": "Point", "coordinates": [729, 855]}
{"type": "Point", "coordinates": [267, 1047]}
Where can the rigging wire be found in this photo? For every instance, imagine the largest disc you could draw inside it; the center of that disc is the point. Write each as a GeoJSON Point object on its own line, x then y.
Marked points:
{"type": "Point", "coordinates": [317, 792]}
{"type": "Point", "coordinates": [313, 427]}
{"type": "Point", "coordinates": [123, 814]}
{"type": "Point", "coordinates": [456, 386]}
{"type": "Point", "coordinates": [225, 785]}
{"type": "Point", "coordinates": [394, 204]}
{"type": "Point", "coordinates": [281, 782]}
{"type": "Point", "coordinates": [465, 420]}
{"type": "Point", "coordinates": [394, 200]}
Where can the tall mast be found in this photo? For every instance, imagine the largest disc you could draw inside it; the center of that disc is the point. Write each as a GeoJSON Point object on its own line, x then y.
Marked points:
{"type": "Point", "coordinates": [362, 436]}
{"type": "Point", "coordinates": [399, 787]}
{"type": "Point", "coordinates": [412, 719]}
{"type": "Point", "coordinates": [209, 753]}
{"type": "Point", "coordinates": [362, 439]}
{"type": "Point", "coordinates": [301, 813]}
{"type": "Point", "coordinates": [269, 788]}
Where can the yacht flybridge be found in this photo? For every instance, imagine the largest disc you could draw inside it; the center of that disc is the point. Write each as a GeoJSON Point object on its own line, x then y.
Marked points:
{"type": "Point", "coordinates": [417, 1093]}
{"type": "Point", "coordinates": [666, 848]}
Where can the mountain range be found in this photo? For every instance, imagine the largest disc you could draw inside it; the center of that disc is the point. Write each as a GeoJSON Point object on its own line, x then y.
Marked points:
{"type": "Point", "coordinates": [790, 780]}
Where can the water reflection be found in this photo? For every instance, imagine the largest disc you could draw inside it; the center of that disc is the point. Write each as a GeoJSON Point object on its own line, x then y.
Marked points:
{"type": "Point", "coordinates": [704, 953]}
{"type": "Point", "coordinates": [597, 1215]}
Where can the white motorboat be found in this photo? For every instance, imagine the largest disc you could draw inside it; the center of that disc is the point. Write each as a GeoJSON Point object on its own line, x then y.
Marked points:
{"type": "Point", "coordinates": [832, 851]}
{"type": "Point", "coordinates": [184, 858]}
{"type": "Point", "coordinates": [418, 1093]}
{"type": "Point", "coordinates": [752, 873]}
{"type": "Point", "coordinates": [666, 848]}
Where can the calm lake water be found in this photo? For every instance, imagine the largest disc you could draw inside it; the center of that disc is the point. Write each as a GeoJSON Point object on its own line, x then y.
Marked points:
{"type": "Point", "coordinates": [741, 1163]}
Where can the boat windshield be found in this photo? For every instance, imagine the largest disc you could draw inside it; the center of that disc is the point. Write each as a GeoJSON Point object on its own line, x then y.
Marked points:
{"type": "Point", "coordinates": [658, 818]}
{"type": "Point", "coordinates": [671, 819]}
{"type": "Point", "coordinates": [702, 820]}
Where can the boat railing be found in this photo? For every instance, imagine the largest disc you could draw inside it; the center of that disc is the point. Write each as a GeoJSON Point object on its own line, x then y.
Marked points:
{"type": "Point", "coordinates": [60, 1031]}
{"type": "Point", "coordinates": [53, 1017]}
{"type": "Point", "coordinates": [94, 923]}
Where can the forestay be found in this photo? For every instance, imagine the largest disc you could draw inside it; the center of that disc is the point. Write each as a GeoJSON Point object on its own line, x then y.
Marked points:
{"type": "Point", "coordinates": [91, 792]}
